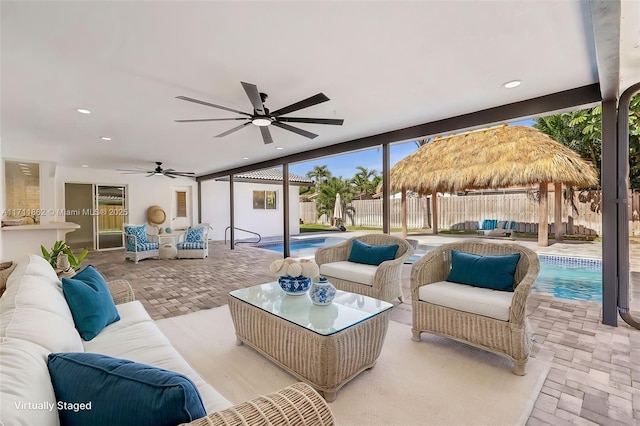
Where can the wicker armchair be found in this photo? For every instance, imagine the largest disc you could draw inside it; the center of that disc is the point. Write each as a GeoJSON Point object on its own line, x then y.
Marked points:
{"type": "Point", "coordinates": [136, 248]}
{"type": "Point", "coordinates": [511, 338]}
{"type": "Point", "coordinates": [386, 283]}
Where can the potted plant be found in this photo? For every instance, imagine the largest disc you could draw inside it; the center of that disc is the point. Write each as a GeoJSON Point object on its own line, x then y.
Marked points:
{"type": "Point", "coordinates": [61, 248]}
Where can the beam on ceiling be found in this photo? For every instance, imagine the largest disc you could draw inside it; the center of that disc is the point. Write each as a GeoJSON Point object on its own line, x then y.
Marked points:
{"type": "Point", "coordinates": [572, 98]}
{"type": "Point", "coordinates": [605, 18]}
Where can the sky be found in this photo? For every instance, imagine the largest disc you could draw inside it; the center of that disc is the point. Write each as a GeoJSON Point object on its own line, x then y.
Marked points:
{"type": "Point", "coordinates": [345, 165]}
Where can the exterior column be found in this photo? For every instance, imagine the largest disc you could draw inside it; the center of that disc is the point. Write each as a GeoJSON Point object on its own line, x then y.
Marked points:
{"type": "Point", "coordinates": [386, 189]}
{"type": "Point", "coordinates": [232, 228]}
{"type": "Point", "coordinates": [557, 213]}
{"type": "Point", "coordinates": [285, 210]}
{"type": "Point", "coordinates": [543, 215]}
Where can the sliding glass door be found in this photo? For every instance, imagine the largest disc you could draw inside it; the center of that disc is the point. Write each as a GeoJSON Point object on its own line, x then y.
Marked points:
{"type": "Point", "coordinates": [109, 215]}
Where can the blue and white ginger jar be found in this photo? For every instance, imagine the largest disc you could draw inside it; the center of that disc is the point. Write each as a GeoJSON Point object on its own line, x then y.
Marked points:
{"type": "Point", "coordinates": [294, 286]}
{"type": "Point", "coordinates": [322, 292]}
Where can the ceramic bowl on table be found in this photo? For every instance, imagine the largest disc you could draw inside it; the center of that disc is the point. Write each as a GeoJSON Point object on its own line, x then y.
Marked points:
{"type": "Point", "coordinates": [294, 286]}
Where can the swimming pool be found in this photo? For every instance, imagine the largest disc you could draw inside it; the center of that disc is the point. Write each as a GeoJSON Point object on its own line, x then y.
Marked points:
{"type": "Point", "coordinates": [570, 278]}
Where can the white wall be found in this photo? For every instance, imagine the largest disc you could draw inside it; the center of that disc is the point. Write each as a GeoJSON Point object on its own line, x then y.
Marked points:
{"type": "Point", "coordinates": [142, 192]}
{"type": "Point", "coordinates": [268, 223]}
{"type": "Point", "coordinates": [1, 197]}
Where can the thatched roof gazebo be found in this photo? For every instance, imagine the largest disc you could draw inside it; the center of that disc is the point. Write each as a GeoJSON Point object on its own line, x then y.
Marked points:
{"type": "Point", "coordinates": [496, 157]}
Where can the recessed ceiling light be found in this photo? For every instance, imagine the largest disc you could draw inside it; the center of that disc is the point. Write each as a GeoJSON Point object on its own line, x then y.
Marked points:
{"type": "Point", "coordinates": [84, 165]}
{"type": "Point", "coordinates": [105, 138]}
{"type": "Point", "coordinates": [245, 158]}
{"type": "Point", "coordinates": [511, 84]}
{"type": "Point", "coordinates": [279, 147]}
{"type": "Point", "coordinates": [83, 111]}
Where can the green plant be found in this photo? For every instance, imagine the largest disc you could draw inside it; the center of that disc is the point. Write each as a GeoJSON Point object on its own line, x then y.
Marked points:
{"type": "Point", "coordinates": [62, 247]}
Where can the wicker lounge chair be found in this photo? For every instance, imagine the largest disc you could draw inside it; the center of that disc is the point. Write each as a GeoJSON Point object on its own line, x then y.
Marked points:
{"type": "Point", "coordinates": [381, 281]}
{"type": "Point", "coordinates": [509, 337]}
{"type": "Point", "coordinates": [194, 245]}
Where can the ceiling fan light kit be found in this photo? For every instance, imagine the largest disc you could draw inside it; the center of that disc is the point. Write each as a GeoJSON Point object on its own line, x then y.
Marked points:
{"type": "Point", "coordinates": [261, 116]}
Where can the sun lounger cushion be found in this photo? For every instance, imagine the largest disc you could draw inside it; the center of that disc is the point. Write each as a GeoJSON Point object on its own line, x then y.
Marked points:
{"type": "Point", "coordinates": [495, 272]}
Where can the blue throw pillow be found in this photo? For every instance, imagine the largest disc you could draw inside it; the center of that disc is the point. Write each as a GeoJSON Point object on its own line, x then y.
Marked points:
{"type": "Point", "coordinates": [372, 255]}
{"type": "Point", "coordinates": [140, 232]}
{"type": "Point", "coordinates": [120, 392]}
{"type": "Point", "coordinates": [194, 235]}
{"type": "Point", "coordinates": [495, 272]}
{"type": "Point", "coordinates": [90, 302]}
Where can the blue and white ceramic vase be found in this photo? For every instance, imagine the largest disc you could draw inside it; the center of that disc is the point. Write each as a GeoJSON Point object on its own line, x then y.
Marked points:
{"type": "Point", "coordinates": [322, 292]}
{"type": "Point", "coordinates": [294, 286]}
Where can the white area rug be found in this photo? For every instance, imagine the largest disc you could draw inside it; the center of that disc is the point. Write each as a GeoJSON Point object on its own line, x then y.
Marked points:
{"type": "Point", "coordinates": [433, 382]}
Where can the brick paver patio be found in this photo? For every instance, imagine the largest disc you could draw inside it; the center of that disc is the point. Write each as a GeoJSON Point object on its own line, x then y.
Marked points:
{"type": "Point", "coordinates": [595, 369]}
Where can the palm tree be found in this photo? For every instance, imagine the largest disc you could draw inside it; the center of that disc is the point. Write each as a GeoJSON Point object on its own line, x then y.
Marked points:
{"type": "Point", "coordinates": [320, 174]}
{"type": "Point", "coordinates": [327, 195]}
{"type": "Point", "coordinates": [362, 181]}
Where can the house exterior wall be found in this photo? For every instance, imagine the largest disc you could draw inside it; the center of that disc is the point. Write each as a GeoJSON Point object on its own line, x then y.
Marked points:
{"type": "Point", "coordinates": [268, 223]}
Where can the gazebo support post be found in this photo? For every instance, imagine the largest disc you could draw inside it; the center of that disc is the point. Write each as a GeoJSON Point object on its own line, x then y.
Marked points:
{"type": "Point", "coordinates": [434, 212]}
{"type": "Point", "coordinates": [403, 212]}
{"type": "Point", "coordinates": [557, 212]}
{"type": "Point", "coordinates": [543, 215]}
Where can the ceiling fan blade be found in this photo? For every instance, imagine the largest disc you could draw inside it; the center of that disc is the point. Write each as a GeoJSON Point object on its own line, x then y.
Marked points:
{"type": "Point", "coordinates": [294, 130]}
{"type": "Point", "coordinates": [266, 135]}
{"type": "Point", "coordinates": [185, 98]}
{"type": "Point", "coordinates": [333, 121]}
{"type": "Point", "coordinates": [235, 129]}
{"type": "Point", "coordinates": [209, 119]}
{"type": "Point", "coordinates": [174, 172]}
{"type": "Point", "coordinates": [133, 171]}
{"type": "Point", "coordinates": [305, 103]}
{"type": "Point", "coordinates": [254, 97]}
{"type": "Point", "coordinates": [169, 175]}
{"type": "Point", "coordinates": [151, 174]}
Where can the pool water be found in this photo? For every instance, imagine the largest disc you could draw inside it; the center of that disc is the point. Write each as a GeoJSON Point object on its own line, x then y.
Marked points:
{"type": "Point", "coordinates": [570, 278]}
{"type": "Point", "coordinates": [563, 277]}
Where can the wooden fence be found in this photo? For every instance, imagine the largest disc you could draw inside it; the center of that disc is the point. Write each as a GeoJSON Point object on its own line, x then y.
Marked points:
{"type": "Point", "coordinates": [464, 212]}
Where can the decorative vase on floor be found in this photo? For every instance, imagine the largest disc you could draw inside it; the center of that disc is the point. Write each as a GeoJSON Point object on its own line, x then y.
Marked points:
{"type": "Point", "coordinates": [322, 292]}
{"type": "Point", "coordinates": [294, 286]}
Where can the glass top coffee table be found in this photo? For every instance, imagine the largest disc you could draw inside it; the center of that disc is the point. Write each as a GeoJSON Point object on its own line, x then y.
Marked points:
{"type": "Point", "coordinates": [325, 346]}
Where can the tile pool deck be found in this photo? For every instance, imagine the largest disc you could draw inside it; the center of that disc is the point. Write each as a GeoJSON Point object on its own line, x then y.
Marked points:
{"type": "Point", "coordinates": [595, 369]}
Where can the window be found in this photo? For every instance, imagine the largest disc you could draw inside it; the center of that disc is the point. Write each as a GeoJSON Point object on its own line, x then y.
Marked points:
{"type": "Point", "coordinates": [22, 190]}
{"type": "Point", "coordinates": [181, 204]}
{"type": "Point", "coordinates": [264, 200]}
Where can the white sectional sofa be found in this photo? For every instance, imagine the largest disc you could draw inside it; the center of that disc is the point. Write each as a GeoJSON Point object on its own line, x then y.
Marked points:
{"type": "Point", "coordinates": [35, 321]}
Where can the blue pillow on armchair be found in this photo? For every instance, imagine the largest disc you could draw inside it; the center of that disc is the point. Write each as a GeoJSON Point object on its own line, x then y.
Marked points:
{"type": "Point", "coordinates": [494, 272]}
{"type": "Point", "coordinates": [194, 235]}
{"type": "Point", "coordinates": [372, 255]}
{"type": "Point", "coordinates": [121, 392]}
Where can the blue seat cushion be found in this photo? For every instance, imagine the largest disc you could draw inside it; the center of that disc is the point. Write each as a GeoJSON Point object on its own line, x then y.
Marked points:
{"type": "Point", "coordinates": [146, 246]}
{"type": "Point", "coordinates": [372, 255]}
{"type": "Point", "coordinates": [190, 246]}
{"type": "Point", "coordinates": [194, 235]}
{"type": "Point", "coordinates": [121, 392]}
{"type": "Point", "coordinates": [90, 302]}
{"type": "Point", "coordinates": [494, 272]}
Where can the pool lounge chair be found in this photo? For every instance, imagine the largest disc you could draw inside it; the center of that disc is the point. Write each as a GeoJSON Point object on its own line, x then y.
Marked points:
{"type": "Point", "coordinates": [496, 228]}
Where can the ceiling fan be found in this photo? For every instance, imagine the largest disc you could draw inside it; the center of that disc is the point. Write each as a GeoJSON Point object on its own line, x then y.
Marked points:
{"type": "Point", "coordinates": [263, 118]}
{"type": "Point", "coordinates": [159, 171]}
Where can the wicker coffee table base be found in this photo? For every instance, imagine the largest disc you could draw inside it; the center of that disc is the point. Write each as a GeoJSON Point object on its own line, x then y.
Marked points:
{"type": "Point", "coordinates": [325, 362]}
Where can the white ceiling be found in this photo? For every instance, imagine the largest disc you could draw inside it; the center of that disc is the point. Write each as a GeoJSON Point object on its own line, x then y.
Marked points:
{"type": "Point", "coordinates": [385, 66]}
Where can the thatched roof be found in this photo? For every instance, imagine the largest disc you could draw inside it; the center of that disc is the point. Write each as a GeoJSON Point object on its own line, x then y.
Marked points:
{"type": "Point", "coordinates": [496, 157]}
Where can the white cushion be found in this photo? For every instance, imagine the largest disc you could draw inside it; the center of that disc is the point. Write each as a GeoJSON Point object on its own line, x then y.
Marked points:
{"type": "Point", "coordinates": [466, 298]}
{"type": "Point", "coordinates": [35, 310]}
{"type": "Point", "coordinates": [350, 271]}
{"type": "Point", "coordinates": [142, 341]}
{"type": "Point", "coordinates": [33, 265]}
{"type": "Point", "coordinates": [25, 379]}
